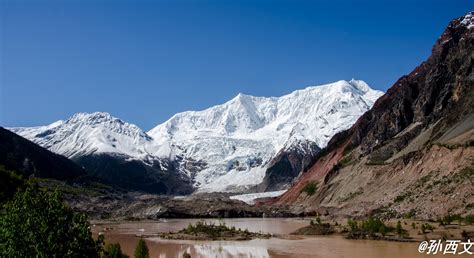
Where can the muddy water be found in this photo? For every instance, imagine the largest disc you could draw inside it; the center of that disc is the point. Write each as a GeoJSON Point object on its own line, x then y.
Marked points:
{"type": "Point", "coordinates": [282, 246]}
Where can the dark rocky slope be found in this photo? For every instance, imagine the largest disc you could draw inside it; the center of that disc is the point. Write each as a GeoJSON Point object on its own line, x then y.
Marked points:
{"type": "Point", "coordinates": [29, 159]}
{"type": "Point", "coordinates": [412, 153]}
{"type": "Point", "coordinates": [160, 177]}
{"type": "Point", "coordinates": [287, 165]}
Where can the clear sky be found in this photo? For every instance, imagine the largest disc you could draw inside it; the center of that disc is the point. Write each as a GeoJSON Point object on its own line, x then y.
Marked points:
{"type": "Point", "coordinates": [144, 61]}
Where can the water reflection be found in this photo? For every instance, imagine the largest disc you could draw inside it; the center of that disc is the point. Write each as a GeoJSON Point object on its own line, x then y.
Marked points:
{"type": "Point", "coordinates": [210, 249]}
{"type": "Point", "coordinates": [227, 251]}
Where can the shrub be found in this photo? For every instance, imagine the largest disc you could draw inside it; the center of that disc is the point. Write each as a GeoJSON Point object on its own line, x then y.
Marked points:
{"type": "Point", "coordinates": [401, 197]}
{"type": "Point", "coordinates": [447, 220]}
{"type": "Point", "coordinates": [141, 251]}
{"type": "Point", "coordinates": [399, 228]}
{"type": "Point", "coordinates": [469, 219]}
{"type": "Point", "coordinates": [372, 226]}
{"type": "Point", "coordinates": [352, 225]}
{"type": "Point", "coordinates": [186, 255]}
{"type": "Point", "coordinates": [351, 195]}
{"type": "Point", "coordinates": [318, 220]}
{"type": "Point", "coordinates": [375, 161]}
{"type": "Point", "coordinates": [36, 223]}
{"type": "Point", "coordinates": [367, 228]}
{"type": "Point", "coordinates": [426, 227]}
{"type": "Point", "coordinates": [410, 214]}
{"type": "Point", "coordinates": [211, 229]}
{"type": "Point", "coordinates": [382, 230]}
{"type": "Point", "coordinates": [310, 188]}
{"type": "Point", "coordinates": [346, 161]}
{"type": "Point", "coordinates": [315, 222]}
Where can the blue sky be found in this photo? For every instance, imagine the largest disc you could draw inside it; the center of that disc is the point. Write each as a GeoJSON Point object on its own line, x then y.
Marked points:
{"type": "Point", "coordinates": [144, 61]}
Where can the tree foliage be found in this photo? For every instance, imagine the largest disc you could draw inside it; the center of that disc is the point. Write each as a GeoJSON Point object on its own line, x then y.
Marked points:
{"type": "Point", "coordinates": [310, 188]}
{"type": "Point", "coordinates": [399, 228]}
{"type": "Point", "coordinates": [36, 223]}
{"type": "Point", "coordinates": [141, 251]}
{"type": "Point", "coordinates": [371, 228]}
{"type": "Point", "coordinates": [113, 251]}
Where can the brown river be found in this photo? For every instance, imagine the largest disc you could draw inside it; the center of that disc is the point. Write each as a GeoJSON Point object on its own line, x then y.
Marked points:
{"type": "Point", "coordinates": [281, 246]}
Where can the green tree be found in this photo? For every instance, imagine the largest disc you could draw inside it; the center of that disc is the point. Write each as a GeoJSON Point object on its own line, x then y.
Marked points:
{"type": "Point", "coordinates": [186, 255]}
{"type": "Point", "coordinates": [141, 251]}
{"type": "Point", "coordinates": [36, 223]}
{"type": "Point", "coordinates": [383, 230]}
{"type": "Point", "coordinates": [113, 251]}
{"type": "Point", "coordinates": [318, 220]}
{"type": "Point", "coordinates": [310, 188]}
{"type": "Point", "coordinates": [352, 225]}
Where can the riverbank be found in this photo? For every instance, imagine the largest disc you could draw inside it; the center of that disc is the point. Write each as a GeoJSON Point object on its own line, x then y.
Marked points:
{"type": "Point", "coordinates": [101, 202]}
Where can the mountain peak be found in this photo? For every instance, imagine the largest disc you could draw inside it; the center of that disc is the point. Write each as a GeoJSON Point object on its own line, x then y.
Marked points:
{"type": "Point", "coordinates": [241, 95]}
{"type": "Point", "coordinates": [360, 85]}
{"type": "Point", "coordinates": [87, 133]}
{"type": "Point", "coordinates": [343, 85]}
{"type": "Point", "coordinates": [352, 85]}
{"type": "Point", "coordinates": [242, 99]}
{"type": "Point", "coordinates": [95, 117]}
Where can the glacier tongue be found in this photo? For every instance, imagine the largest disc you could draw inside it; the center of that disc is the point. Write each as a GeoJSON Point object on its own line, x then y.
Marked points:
{"type": "Point", "coordinates": [232, 143]}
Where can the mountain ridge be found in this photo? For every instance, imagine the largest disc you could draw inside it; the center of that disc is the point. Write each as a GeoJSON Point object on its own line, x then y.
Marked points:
{"type": "Point", "coordinates": [223, 148]}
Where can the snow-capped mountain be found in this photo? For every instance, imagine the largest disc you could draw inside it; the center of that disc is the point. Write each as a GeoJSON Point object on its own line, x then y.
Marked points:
{"type": "Point", "coordinates": [84, 134]}
{"type": "Point", "coordinates": [238, 138]}
{"type": "Point", "coordinates": [227, 147]}
{"type": "Point", "coordinates": [324, 108]}
{"type": "Point", "coordinates": [111, 149]}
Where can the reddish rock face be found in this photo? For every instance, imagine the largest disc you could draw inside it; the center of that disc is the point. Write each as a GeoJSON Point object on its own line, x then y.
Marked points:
{"type": "Point", "coordinates": [417, 112]}
{"type": "Point", "coordinates": [316, 173]}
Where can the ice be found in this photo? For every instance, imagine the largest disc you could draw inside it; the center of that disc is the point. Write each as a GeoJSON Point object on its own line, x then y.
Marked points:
{"type": "Point", "coordinates": [250, 198]}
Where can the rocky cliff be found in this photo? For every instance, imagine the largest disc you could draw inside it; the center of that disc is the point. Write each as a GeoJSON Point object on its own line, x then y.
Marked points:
{"type": "Point", "coordinates": [412, 153]}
